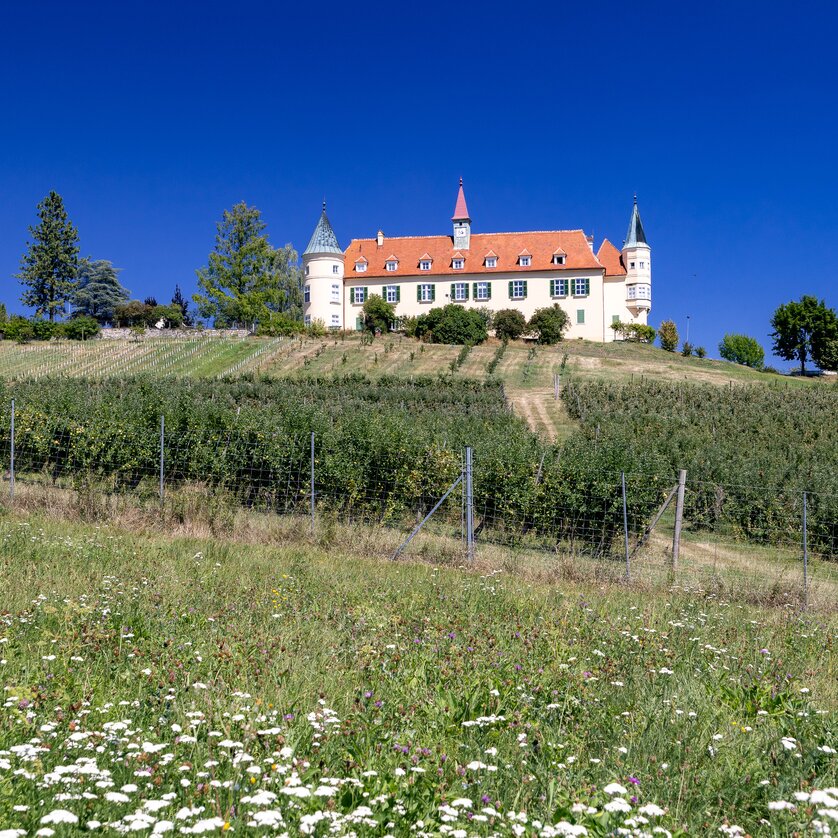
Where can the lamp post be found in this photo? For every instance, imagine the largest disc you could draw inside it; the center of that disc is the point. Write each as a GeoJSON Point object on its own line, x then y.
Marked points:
{"type": "Point", "coordinates": [688, 330]}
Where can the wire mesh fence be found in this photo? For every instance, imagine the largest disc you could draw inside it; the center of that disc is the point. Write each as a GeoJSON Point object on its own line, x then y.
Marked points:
{"type": "Point", "coordinates": [717, 538]}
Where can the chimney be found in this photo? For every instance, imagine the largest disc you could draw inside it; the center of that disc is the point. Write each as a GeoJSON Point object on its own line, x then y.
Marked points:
{"type": "Point", "coordinates": [379, 238]}
{"type": "Point", "coordinates": [590, 242]}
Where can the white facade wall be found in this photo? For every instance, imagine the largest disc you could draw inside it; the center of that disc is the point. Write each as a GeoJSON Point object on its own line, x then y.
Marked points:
{"type": "Point", "coordinates": [323, 285]}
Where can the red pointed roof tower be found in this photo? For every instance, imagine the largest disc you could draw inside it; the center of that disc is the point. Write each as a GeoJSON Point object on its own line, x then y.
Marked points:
{"type": "Point", "coordinates": [462, 221]}
{"type": "Point", "coordinates": [461, 210]}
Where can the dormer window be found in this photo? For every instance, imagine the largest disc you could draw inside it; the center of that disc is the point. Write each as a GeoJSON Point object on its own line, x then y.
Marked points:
{"type": "Point", "coordinates": [360, 267]}
{"type": "Point", "coordinates": [457, 264]}
{"type": "Point", "coordinates": [391, 264]}
{"type": "Point", "coordinates": [524, 261]}
{"type": "Point", "coordinates": [424, 265]}
{"type": "Point", "coordinates": [558, 259]}
{"type": "Point", "coordinates": [490, 260]}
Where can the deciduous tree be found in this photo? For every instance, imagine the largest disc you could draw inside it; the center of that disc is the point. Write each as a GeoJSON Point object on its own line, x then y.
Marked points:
{"type": "Point", "coordinates": [741, 349]}
{"type": "Point", "coordinates": [803, 330]}
{"type": "Point", "coordinates": [49, 267]}
{"type": "Point", "coordinates": [668, 335]}
{"type": "Point", "coordinates": [549, 324]}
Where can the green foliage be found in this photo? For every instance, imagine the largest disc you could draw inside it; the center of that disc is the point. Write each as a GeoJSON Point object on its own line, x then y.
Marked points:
{"type": "Point", "coordinates": [280, 324]}
{"type": "Point", "coordinates": [803, 330]}
{"type": "Point", "coordinates": [245, 278]}
{"type": "Point", "coordinates": [98, 291]}
{"type": "Point", "coordinates": [18, 329]}
{"type": "Point", "coordinates": [133, 313]}
{"type": "Point", "coordinates": [741, 349]}
{"type": "Point", "coordinates": [81, 328]}
{"type": "Point", "coordinates": [634, 332]}
{"type": "Point", "coordinates": [496, 358]}
{"type": "Point", "coordinates": [3, 315]}
{"type": "Point", "coordinates": [668, 335]}
{"type": "Point", "coordinates": [378, 314]}
{"type": "Point", "coordinates": [180, 301]}
{"type": "Point", "coordinates": [316, 329]}
{"type": "Point", "coordinates": [829, 355]}
{"type": "Point", "coordinates": [452, 324]}
{"type": "Point", "coordinates": [49, 267]}
{"type": "Point", "coordinates": [549, 324]}
{"type": "Point", "coordinates": [700, 352]}
{"type": "Point", "coordinates": [509, 324]}
{"type": "Point", "coordinates": [44, 329]}
{"type": "Point", "coordinates": [170, 316]}
{"type": "Point", "coordinates": [687, 349]}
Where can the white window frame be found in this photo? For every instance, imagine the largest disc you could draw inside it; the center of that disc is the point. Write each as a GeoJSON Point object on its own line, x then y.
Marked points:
{"type": "Point", "coordinates": [457, 264]}
{"type": "Point", "coordinates": [425, 265]}
{"type": "Point", "coordinates": [358, 295]}
{"type": "Point", "coordinates": [491, 261]}
{"type": "Point", "coordinates": [518, 292]}
{"type": "Point", "coordinates": [642, 266]}
{"type": "Point", "coordinates": [460, 292]}
{"type": "Point", "coordinates": [632, 292]}
{"type": "Point", "coordinates": [525, 261]}
{"type": "Point", "coordinates": [557, 286]}
{"type": "Point", "coordinates": [361, 267]}
{"type": "Point", "coordinates": [391, 266]}
{"type": "Point", "coordinates": [307, 294]}
{"type": "Point", "coordinates": [335, 292]}
{"type": "Point", "coordinates": [426, 292]}
{"type": "Point", "coordinates": [482, 292]}
{"type": "Point", "coordinates": [335, 269]}
{"type": "Point", "coordinates": [335, 321]}
{"type": "Point", "coordinates": [631, 266]}
{"type": "Point", "coordinates": [582, 280]}
{"type": "Point", "coordinates": [558, 260]}
{"type": "Point", "coordinates": [307, 320]}
{"type": "Point", "coordinates": [307, 269]}
{"type": "Point", "coordinates": [390, 292]}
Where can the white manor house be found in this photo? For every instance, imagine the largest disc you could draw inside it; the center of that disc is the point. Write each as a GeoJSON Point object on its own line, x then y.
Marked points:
{"type": "Point", "coordinates": [525, 271]}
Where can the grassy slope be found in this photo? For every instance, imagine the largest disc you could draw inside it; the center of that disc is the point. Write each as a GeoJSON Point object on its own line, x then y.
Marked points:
{"type": "Point", "coordinates": [587, 687]}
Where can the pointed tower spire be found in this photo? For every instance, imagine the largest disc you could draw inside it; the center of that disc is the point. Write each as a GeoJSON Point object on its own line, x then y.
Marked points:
{"type": "Point", "coordinates": [636, 234]}
{"type": "Point", "coordinates": [462, 221]}
{"type": "Point", "coordinates": [323, 239]}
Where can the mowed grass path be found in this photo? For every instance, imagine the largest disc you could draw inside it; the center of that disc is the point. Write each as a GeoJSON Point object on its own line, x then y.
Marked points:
{"type": "Point", "coordinates": [205, 683]}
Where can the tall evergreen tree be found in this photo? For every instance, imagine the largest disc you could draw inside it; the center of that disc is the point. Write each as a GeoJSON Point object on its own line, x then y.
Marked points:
{"type": "Point", "coordinates": [99, 290]}
{"type": "Point", "coordinates": [180, 301]}
{"type": "Point", "coordinates": [49, 267]}
{"type": "Point", "coordinates": [235, 285]}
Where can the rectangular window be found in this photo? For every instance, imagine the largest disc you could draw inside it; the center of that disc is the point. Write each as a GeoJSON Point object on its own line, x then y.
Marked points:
{"type": "Point", "coordinates": [491, 261]}
{"type": "Point", "coordinates": [580, 316]}
{"type": "Point", "coordinates": [581, 287]}
{"type": "Point", "coordinates": [359, 323]}
{"type": "Point", "coordinates": [335, 269]}
{"type": "Point", "coordinates": [459, 291]}
{"type": "Point", "coordinates": [482, 291]}
{"type": "Point", "coordinates": [425, 293]}
{"type": "Point", "coordinates": [632, 292]}
{"type": "Point", "coordinates": [392, 293]}
{"type": "Point", "coordinates": [307, 320]}
{"type": "Point", "coordinates": [517, 289]}
{"type": "Point", "coordinates": [307, 267]}
{"type": "Point", "coordinates": [360, 267]}
{"type": "Point", "coordinates": [335, 321]}
{"type": "Point", "coordinates": [335, 293]}
{"type": "Point", "coordinates": [525, 261]}
{"type": "Point", "coordinates": [615, 319]}
{"type": "Point", "coordinates": [424, 265]}
{"type": "Point", "coordinates": [644, 292]}
{"type": "Point", "coordinates": [307, 294]}
{"type": "Point", "coordinates": [357, 296]}
{"type": "Point", "coordinates": [558, 287]}
{"type": "Point", "coordinates": [642, 264]}
{"type": "Point", "coordinates": [558, 260]}
{"type": "Point", "coordinates": [631, 266]}
{"type": "Point", "coordinates": [391, 266]}
{"type": "Point", "coordinates": [458, 264]}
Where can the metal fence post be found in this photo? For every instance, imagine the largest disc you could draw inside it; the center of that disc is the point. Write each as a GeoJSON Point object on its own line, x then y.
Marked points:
{"type": "Point", "coordinates": [626, 526]}
{"type": "Point", "coordinates": [679, 518]}
{"type": "Point", "coordinates": [312, 481]}
{"type": "Point", "coordinates": [469, 507]}
{"type": "Point", "coordinates": [12, 456]}
{"type": "Point", "coordinates": [805, 556]}
{"type": "Point", "coordinates": [162, 462]}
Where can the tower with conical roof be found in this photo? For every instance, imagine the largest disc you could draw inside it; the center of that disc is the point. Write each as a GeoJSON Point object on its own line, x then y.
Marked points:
{"type": "Point", "coordinates": [323, 281]}
{"type": "Point", "coordinates": [462, 221]}
{"type": "Point", "coordinates": [637, 259]}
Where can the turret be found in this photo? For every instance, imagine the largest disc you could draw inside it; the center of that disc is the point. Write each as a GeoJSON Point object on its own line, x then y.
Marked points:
{"type": "Point", "coordinates": [323, 281]}
{"type": "Point", "coordinates": [462, 221]}
{"type": "Point", "coordinates": [637, 258]}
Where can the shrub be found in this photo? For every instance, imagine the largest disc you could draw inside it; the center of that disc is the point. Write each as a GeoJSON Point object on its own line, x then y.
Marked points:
{"type": "Point", "coordinates": [452, 324]}
{"type": "Point", "coordinates": [549, 324]}
{"type": "Point", "coordinates": [279, 324]}
{"type": "Point", "coordinates": [317, 329]}
{"type": "Point", "coordinates": [171, 316]}
{"type": "Point", "coordinates": [700, 352]}
{"type": "Point", "coordinates": [741, 349]}
{"type": "Point", "coordinates": [687, 349]}
{"type": "Point", "coordinates": [81, 328]}
{"type": "Point", "coordinates": [132, 313]}
{"type": "Point", "coordinates": [45, 329]}
{"type": "Point", "coordinates": [19, 329]}
{"type": "Point", "coordinates": [378, 314]}
{"type": "Point", "coordinates": [668, 336]}
{"type": "Point", "coordinates": [509, 324]}
{"type": "Point", "coordinates": [634, 332]}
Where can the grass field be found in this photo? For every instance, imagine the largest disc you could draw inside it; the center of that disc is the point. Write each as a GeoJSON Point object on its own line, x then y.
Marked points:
{"type": "Point", "coordinates": [160, 682]}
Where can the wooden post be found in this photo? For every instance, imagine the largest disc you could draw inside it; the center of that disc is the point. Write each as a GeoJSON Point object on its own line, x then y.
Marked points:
{"type": "Point", "coordinates": [805, 555]}
{"type": "Point", "coordinates": [626, 527]}
{"type": "Point", "coordinates": [679, 518]}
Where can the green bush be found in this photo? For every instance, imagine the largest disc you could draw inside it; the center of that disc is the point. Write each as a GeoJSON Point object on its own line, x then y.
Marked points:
{"type": "Point", "coordinates": [379, 315]}
{"type": "Point", "coordinates": [634, 332]}
{"type": "Point", "coordinates": [316, 329]}
{"type": "Point", "coordinates": [45, 329]}
{"type": "Point", "coordinates": [687, 349]}
{"type": "Point", "coordinates": [741, 349]}
{"type": "Point", "coordinates": [509, 324]}
{"type": "Point", "coordinates": [19, 329]}
{"type": "Point", "coordinates": [668, 336]}
{"type": "Point", "coordinates": [81, 328]}
{"type": "Point", "coordinates": [700, 352]}
{"type": "Point", "coordinates": [452, 324]}
{"type": "Point", "coordinates": [549, 324]}
{"type": "Point", "coordinates": [279, 324]}
{"type": "Point", "coordinates": [171, 315]}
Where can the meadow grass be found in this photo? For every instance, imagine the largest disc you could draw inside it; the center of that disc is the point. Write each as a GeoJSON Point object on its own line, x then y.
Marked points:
{"type": "Point", "coordinates": [166, 682]}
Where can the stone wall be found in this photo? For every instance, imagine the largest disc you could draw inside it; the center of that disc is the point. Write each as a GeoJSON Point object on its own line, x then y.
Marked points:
{"type": "Point", "coordinates": [125, 334]}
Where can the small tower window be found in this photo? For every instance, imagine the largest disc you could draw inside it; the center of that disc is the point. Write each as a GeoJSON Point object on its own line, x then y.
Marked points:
{"type": "Point", "coordinates": [335, 269]}
{"type": "Point", "coordinates": [631, 266]}
{"type": "Point", "coordinates": [642, 265]}
{"type": "Point", "coordinates": [307, 270]}
{"type": "Point", "coordinates": [307, 294]}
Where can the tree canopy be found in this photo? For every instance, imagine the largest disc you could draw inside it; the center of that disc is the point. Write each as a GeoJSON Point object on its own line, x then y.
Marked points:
{"type": "Point", "coordinates": [245, 278]}
{"type": "Point", "coordinates": [741, 349]}
{"type": "Point", "coordinates": [49, 268]}
{"type": "Point", "coordinates": [804, 330]}
{"type": "Point", "coordinates": [98, 290]}
{"type": "Point", "coordinates": [378, 314]}
{"type": "Point", "coordinates": [549, 324]}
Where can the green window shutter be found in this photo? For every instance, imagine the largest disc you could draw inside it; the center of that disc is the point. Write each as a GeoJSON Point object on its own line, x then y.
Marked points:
{"type": "Point", "coordinates": [488, 290]}
{"type": "Point", "coordinates": [580, 316]}
{"type": "Point", "coordinates": [466, 288]}
{"type": "Point", "coordinates": [359, 323]}
{"type": "Point", "coordinates": [474, 290]}
{"type": "Point", "coordinates": [418, 293]}
{"type": "Point", "coordinates": [351, 295]}
{"type": "Point", "coordinates": [398, 293]}
{"type": "Point", "coordinates": [525, 289]}
{"type": "Point", "coordinates": [366, 293]}
{"type": "Point", "coordinates": [453, 288]}
{"type": "Point", "coordinates": [510, 289]}
{"type": "Point", "coordinates": [587, 287]}
{"type": "Point", "coordinates": [433, 293]}
{"type": "Point", "coordinates": [552, 287]}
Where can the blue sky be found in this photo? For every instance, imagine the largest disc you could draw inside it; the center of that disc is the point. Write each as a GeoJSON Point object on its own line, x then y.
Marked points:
{"type": "Point", "coordinates": [151, 118]}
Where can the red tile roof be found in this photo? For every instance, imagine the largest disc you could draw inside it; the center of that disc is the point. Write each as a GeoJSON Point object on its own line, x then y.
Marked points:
{"type": "Point", "coordinates": [410, 249]}
{"type": "Point", "coordinates": [461, 210]}
{"type": "Point", "coordinates": [611, 258]}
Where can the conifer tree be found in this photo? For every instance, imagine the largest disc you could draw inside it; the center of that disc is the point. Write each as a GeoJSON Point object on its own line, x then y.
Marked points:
{"type": "Point", "coordinates": [49, 268]}
{"type": "Point", "coordinates": [98, 291]}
